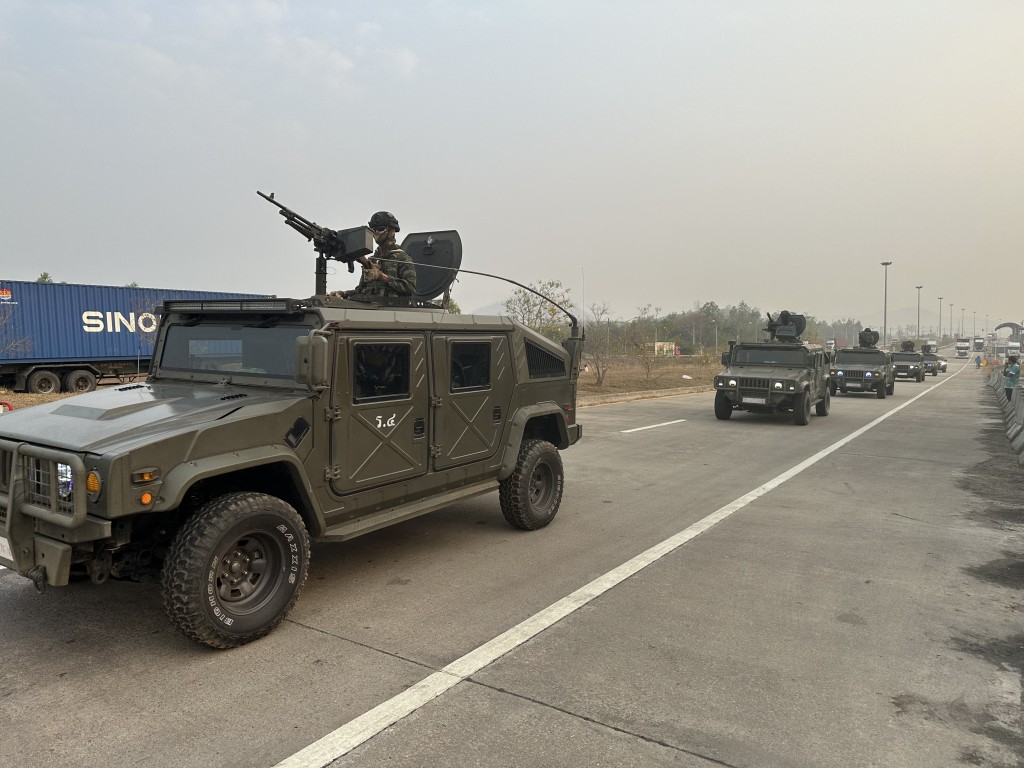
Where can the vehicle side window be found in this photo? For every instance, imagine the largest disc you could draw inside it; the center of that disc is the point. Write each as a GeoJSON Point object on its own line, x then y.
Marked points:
{"type": "Point", "coordinates": [381, 372]}
{"type": "Point", "coordinates": [471, 365]}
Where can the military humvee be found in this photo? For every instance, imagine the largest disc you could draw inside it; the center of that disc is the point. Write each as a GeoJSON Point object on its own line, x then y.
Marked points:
{"type": "Point", "coordinates": [264, 424]}
{"type": "Point", "coordinates": [908, 363]}
{"type": "Point", "coordinates": [864, 368]}
{"type": "Point", "coordinates": [783, 374]}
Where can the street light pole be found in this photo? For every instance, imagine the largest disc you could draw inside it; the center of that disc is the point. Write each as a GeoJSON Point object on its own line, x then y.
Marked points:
{"type": "Point", "coordinates": [919, 287]}
{"type": "Point", "coordinates": [975, 313]}
{"type": "Point", "coordinates": [951, 319]}
{"type": "Point", "coordinates": [938, 335]}
{"type": "Point", "coordinates": [962, 310]}
{"type": "Point", "coordinates": [885, 305]}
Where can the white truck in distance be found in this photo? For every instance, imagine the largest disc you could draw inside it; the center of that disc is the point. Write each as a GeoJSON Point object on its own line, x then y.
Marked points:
{"type": "Point", "coordinates": [963, 347]}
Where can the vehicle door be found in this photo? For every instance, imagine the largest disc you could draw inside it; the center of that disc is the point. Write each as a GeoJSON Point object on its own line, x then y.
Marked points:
{"type": "Point", "coordinates": [473, 385]}
{"type": "Point", "coordinates": [379, 410]}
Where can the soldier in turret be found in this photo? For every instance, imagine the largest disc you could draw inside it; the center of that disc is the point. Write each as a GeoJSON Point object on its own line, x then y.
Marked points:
{"type": "Point", "coordinates": [391, 271]}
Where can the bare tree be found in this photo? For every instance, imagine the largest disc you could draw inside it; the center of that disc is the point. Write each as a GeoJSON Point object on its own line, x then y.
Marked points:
{"type": "Point", "coordinates": [9, 343]}
{"type": "Point", "coordinates": [599, 340]}
{"type": "Point", "coordinates": [542, 316]}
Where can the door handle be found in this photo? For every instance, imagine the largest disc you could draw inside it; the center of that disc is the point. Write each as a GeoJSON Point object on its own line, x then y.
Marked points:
{"type": "Point", "coordinates": [419, 427]}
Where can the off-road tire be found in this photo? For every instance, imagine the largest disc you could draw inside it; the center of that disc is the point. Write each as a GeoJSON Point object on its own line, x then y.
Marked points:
{"type": "Point", "coordinates": [802, 409]}
{"type": "Point", "coordinates": [235, 569]}
{"type": "Point", "coordinates": [833, 388]}
{"type": "Point", "coordinates": [530, 496]}
{"type": "Point", "coordinates": [880, 390]}
{"type": "Point", "coordinates": [821, 407]}
{"type": "Point", "coordinates": [80, 381]}
{"type": "Point", "coordinates": [43, 383]}
{"type": "Point", "coordinates": [723, 406]}
{"type": "Point", "coordinates": [891, 388]}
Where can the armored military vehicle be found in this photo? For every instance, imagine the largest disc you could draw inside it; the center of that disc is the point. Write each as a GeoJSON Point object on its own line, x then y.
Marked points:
{"type": "Point", "coordinates": [908, 363]}
{"type": "Point", "coordinates": [267, 423]}
{"type": "Point", "coordinates": [782, 374]}
{"type": "Point", "coordinates": [932, 363]}
{"type": "Point", "coordinates": [864, 368]}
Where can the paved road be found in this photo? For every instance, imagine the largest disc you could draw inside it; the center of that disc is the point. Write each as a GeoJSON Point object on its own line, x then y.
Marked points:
{"type": "Point", "coordinates": [855, 603]}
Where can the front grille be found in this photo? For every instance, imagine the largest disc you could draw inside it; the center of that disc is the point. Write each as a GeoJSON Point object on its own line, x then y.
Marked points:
{"type": "Point", "coordinates": [853, 375]}
{"type": "Point", "coordinates": [750, 382]}
{"type": "Point", "coordinates": [42, 483]}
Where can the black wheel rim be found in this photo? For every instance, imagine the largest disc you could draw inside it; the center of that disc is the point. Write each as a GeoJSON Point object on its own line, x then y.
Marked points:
{"type": "Point", "coordinates": [249, 572]}
{"type": "Point", "coordinates": [541, 483]}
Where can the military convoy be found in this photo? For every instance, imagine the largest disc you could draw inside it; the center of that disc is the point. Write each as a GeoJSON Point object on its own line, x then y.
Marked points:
{"type": "Point", "coordinates": [780, 375]}
{"type": "Point", "coordinates": [864, 368]}
{"type": "Point", "coordinates": [267, 423]}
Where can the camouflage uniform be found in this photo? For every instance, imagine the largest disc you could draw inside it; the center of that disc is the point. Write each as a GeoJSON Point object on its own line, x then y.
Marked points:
{"type": "Point", "coordinates": [397, 265]}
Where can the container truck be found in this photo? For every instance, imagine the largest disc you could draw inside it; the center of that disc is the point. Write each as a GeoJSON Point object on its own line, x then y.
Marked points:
{"type": "Point", "coordinates": [68, 336]}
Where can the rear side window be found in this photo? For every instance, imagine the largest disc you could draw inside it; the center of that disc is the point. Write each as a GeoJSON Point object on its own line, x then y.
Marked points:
{"type": "Point", "coordinates": [381, 372]}
{"type": "Point", "coordinates": [471, 365]}
{"type": "Point", "coordinates": [541, 363]}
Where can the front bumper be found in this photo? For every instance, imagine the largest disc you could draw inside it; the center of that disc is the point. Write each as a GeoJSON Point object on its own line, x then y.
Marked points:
{"type": "Point", "coordinates": [43, 511]}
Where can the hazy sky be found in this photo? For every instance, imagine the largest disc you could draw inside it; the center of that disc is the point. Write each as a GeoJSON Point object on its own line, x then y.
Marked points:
{"type": "Point", "coordinates": [661, 153]}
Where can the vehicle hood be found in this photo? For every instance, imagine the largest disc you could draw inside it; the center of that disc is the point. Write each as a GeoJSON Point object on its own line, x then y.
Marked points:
{"type": "Point", "coordinates": [95, 421]}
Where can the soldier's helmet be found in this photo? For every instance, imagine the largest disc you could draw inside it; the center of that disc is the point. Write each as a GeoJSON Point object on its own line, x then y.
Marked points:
{"type": "Point", "coordinates": [382, 220]}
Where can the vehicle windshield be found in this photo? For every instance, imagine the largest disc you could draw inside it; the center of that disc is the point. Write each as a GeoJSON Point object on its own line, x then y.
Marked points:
{"type": "Point", "coordinates": [239, 350]}
{"type": "Point", "coordinates": [912, 357]}
{"type": "Point", "coordinates": [771, 356]}
{"type": "Point", "coordinates": [846, 356]}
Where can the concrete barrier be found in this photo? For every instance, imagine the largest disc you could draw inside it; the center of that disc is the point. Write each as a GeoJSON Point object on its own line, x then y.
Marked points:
{"type": "Point", "coordinates": [1013, 412]}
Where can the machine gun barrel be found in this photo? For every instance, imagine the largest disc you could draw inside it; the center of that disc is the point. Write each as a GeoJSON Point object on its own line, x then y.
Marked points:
{"type": "Point", "coordinates": [348, 245]}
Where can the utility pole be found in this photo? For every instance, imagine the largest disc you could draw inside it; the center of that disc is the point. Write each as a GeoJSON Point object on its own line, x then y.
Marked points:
{"type": "Point", "coordinates": [938, 335]}
{"type": "Point", "coordinates": [919, 287]}
{"type": "Point", "coordinates": [885, 305]}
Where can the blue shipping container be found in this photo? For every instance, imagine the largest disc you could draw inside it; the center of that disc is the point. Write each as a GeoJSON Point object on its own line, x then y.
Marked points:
{"type": "Point", "coordinates": [53, 322]}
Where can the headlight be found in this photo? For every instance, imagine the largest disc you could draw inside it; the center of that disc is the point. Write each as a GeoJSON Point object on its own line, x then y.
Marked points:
{"type": "Point", "coordinates": [732, 382]}
{"type": "Point", "coordinates": [840, 373]}
{"type": "Point", "coordinates": [868, 374]}
{"type": "Point", "coordinates": [65, 480]}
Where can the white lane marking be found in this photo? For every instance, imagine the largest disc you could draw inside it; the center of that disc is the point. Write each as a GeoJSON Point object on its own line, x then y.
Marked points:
{"type": "Point", "coordinates": [366, 726]}
{"type": "Point", "coordinates": [652, 426]}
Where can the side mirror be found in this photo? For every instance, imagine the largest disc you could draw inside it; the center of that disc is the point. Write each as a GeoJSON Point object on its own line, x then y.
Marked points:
{"type": "Point", "coordinates": [725, 358]}
{"type": "Point", "coordinates": [311, 361]}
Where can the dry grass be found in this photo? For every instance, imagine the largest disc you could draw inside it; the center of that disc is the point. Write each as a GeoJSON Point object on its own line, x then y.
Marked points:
{"type": "Point", "coordinates": [627, 375]}
{"type": "Point", "coordinates": [624, 375]}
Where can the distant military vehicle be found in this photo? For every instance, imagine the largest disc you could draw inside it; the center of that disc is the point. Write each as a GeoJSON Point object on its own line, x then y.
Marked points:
{"type": "Point", "coordinates": [864, 368]}
{"type": "Point", "coordinates": [933, 364]}
{"type": "Point", "coordinates": [782, 374]}
{"type": "Point", "coordinates": [908, 363]}
{"type": "Point", "coordinates": [265, 423]}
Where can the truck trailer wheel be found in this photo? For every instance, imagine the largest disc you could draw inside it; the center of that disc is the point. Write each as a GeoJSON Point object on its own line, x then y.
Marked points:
{"type": "Point", "coordinates": [530, 496]}
{"type": "Point", "coordinates": [43, 383]}
{"type": "Point", "coordinates": [235, 569]}
{"type": "Point", "coordinates": [80, 381]}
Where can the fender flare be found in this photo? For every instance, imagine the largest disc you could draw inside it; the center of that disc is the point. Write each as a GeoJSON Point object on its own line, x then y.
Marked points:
{"type": "Point", "coordinates": [517, 425]}
{"type": "Point", "coordinates": [188, 473]}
